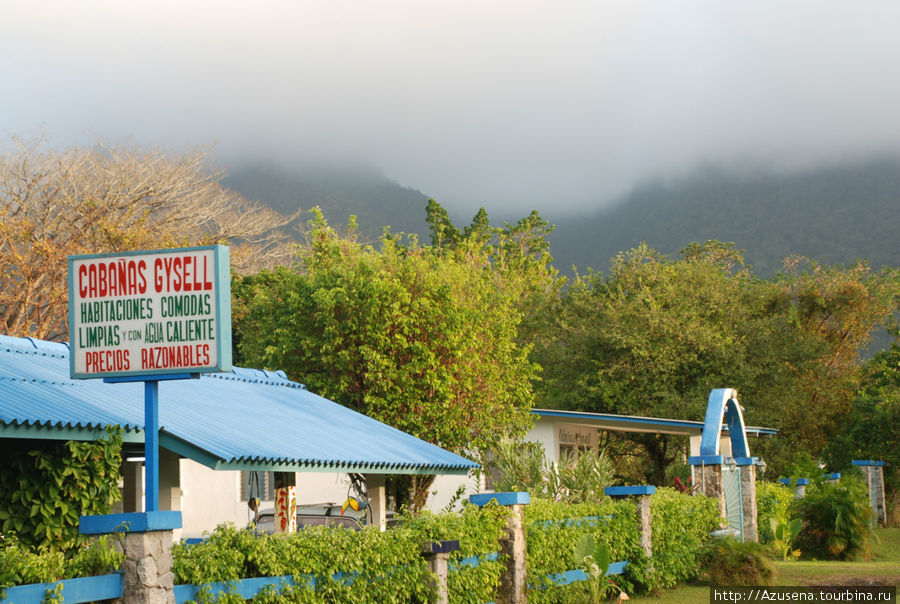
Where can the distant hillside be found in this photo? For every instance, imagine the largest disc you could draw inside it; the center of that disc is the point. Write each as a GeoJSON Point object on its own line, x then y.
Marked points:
{"type": "Point", "coordinates": [376, 201]}
{"type": "Point", "coordinates": [834, 215]}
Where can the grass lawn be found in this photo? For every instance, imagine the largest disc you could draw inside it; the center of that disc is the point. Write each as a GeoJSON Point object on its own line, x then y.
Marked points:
{"type": "Point", "coordinates": [882, 568]}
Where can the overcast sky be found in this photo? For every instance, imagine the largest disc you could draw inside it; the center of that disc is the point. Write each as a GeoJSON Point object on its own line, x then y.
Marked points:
{"type": "Point", "coordinates": [513, 105]}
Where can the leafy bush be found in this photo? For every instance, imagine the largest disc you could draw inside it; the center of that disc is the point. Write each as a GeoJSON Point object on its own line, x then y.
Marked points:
{"type": "Point", "coordinates": [595, 563]}
{"type": "Point", "coordinates": [835, 520]}
{"type": "Point", "coordinates": [784, 535]}
{"type": "Point", "coordinates": [23, 565]}
{"type": "Point", "coordinates": [479, 531]}
{"type": "Point", "coordinates": [577, 477]}
{"type": "Point", "coordinates": [553, 530]}
{"type": "Point", "coordinates": [46, 486]}
{"type": "Point", "coordinates": [681, 525]}
{"type": "Point", "coordinates": [346, 565]}
{"type": "Point", "coordinates": [773, 500]}
{"type": "Point", "coordinates": [732, 562]}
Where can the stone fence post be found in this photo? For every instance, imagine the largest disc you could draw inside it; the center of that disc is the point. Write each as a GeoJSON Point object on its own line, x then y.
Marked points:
{"type": "Point", "coordinates": [643, 510]}
{"type": "Point", "coordinates": [437, 555]}
{"type": "Point", "coordinates": [874, 473]}
{"type": "Point", "coordinates": [513, 588]}
{"type": "Point", "coordinates": [147, 545]}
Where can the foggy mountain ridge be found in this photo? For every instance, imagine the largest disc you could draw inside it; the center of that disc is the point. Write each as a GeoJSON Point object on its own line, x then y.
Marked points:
{"type": "Point", "coordinates": [835, 215]}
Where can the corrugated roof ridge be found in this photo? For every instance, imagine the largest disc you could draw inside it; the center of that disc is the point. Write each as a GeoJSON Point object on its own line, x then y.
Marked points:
{"type": "Point", "coordinates": [69, 383]}
{"type": "Point", "coordinates": [46, 423]}
{"type": "Point", "coordinates": [34, 347]}
{"type": "Point", "coordinates": [257, 376]}
{"type": "Point", "coordinates": [396, 465]}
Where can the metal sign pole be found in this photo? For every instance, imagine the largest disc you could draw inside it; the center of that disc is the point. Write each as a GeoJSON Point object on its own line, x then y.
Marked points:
{"type": "Point", "coordinates": [151, 445]}
{"type": "Point", "coordinates": [151, 431]}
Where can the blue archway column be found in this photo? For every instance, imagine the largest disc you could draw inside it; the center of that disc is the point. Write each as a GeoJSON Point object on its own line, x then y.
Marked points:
{"type": "Point", "coordinates": [723, 408]}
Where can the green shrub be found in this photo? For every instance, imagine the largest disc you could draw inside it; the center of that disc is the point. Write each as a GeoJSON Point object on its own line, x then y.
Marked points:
{"type": "Point", "coordinates": [23, 565]}
{"type": "Point", "coordinates": [835, 520]}
{"type": "Point", "coordinates": [552, 531]}
{"type": "Point", "coordinates": [45, 486]}
{"type": "Point", "coordinates": [577, 477]}
{"type": "Point", "coordinates": [681, 525]}
{"type": "Point", "coordinates": [773, 500]}
{"type": "Point", "coordinates": [479, 531]}
{"type": "Point", "coordinates": [362, 566]}
{"type": "Point", "coordinates": [731, 562]}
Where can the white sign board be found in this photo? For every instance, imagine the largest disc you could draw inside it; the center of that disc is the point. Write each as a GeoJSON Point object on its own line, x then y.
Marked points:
{"type": "Point", "coordinates": [150, 313]}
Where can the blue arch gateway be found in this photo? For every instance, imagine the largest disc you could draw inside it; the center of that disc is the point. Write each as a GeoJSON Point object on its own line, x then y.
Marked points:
{"type": "Point", "coordinates": [732, 480]}
{"type": "Point", "coordinates": [723, 407]}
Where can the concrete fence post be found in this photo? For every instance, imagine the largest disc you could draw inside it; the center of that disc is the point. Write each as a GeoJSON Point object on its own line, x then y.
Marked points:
{"type": "Point", "coordinates": [513, 587]}
{"type": "Point", "coordinates": [147, 545]}
{"type": "Point", "coordinates": [799, 487]}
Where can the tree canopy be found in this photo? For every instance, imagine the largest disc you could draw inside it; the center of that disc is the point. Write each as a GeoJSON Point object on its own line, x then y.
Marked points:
{"type": "Point", "coordinates": [656, 335]}
{"type": "Point", "coordinates": [109, 198]}
{"type": "Point", "coordinates": [424, 338]}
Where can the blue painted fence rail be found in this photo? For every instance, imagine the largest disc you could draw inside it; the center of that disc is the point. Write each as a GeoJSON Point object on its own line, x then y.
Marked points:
{"type": "Point", "coordinates": [246, 588]}
{"type": "Point", "coordinates": [249, 588]}
{"type": "Point", "coordinates": [85, 589]}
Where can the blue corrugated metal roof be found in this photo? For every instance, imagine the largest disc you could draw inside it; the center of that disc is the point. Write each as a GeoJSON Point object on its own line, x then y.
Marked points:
{"type": "Point", "coordinates": [248, 418]}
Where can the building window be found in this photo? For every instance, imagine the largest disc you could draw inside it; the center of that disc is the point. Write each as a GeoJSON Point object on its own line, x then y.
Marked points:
{"type": "Point", "coordinates": [258, 484]}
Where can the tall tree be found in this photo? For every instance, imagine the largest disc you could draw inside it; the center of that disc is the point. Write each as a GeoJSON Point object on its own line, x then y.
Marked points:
{"type": "Point", "coordinates": [652, 339]}
{"type": "Point", "coordinates": [109, 198]}
{"type": "Point", "coordinates": [417, 337]}
{"type": "Point", "coordinates": [821, 320]}
{"type": "Point", "coordinates": [872, 430]}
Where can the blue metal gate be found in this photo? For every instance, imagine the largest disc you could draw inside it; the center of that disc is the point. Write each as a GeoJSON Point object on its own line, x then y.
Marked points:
{"type": "Point", "coordinates": [734, 509]}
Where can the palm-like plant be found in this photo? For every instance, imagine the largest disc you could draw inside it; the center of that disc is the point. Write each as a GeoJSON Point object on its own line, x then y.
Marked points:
{"type": "Point", "coordinates": [836, 520]}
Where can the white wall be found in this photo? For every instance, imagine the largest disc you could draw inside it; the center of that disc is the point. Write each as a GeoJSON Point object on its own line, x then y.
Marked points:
{"type": "Point", "coordinates": [210, 498]}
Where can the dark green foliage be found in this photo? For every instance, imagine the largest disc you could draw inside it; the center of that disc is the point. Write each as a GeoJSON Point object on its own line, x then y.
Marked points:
{"type": "Point", "coordinates": [46, 485]}
{"type": "Point", "coordinates": [651, 339]}
{"type": "Point", "coordinates": [732, 562]}
{"type": "Point", "coordinates": [681, 526]}
{"type": "Point", "coordinates": [773, 500]}
{"type": "Point", "coordinates": [836, 520]}
{"type": "Point", "coordinates": [873, 429]}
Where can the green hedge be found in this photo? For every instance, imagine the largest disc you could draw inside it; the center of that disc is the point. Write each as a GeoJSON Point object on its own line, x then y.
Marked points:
{"type": "Point", "coordinates": [681, 525]}
{"type": "Point", "coordinates": [387, 566]}
{"type": "Point", "coordinates": [479, 531]}
{"type": "Point", "coordinates": [372, 566]}
{"type": "Point", "coordinates": [553, 529]}
{"type": "Point", "coordinates": [24, 565]}
{"type": "Point", "coordinates": [773, 500]}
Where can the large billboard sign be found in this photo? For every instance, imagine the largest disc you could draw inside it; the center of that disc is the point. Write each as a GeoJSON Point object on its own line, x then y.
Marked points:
{"type": "Point", "coordinates": [150, 313]}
